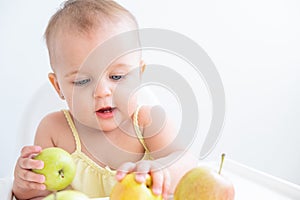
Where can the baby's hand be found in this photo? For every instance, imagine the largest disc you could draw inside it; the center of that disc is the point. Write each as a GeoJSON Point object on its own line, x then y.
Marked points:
{"type": "Point", "coordinates": [160, 176]}
{"type": "Point", "coordinates": [24, 178]}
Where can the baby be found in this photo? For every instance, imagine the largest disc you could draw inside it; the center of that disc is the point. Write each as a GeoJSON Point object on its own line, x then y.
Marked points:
{"type": "Point", "coordinates": [105, 130]}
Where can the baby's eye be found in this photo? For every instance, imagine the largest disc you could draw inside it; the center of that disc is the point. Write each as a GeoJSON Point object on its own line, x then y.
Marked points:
{"type": "Point", "coordinates": [82, 82]}
{"type": "Point", "coordinates": [116, 77]}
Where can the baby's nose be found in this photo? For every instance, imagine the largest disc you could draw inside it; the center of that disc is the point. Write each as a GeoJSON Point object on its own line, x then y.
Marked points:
{"type": "Point", "coordinates": [102, 90]}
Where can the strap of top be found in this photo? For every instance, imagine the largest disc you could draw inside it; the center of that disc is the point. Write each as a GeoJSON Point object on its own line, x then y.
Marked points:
{"type": "Point", "coordinates": [135, 124]}
{"type": "Point", "coordinates": [138, 131]}
{"type": "Point", "coordinates": [73, 129]}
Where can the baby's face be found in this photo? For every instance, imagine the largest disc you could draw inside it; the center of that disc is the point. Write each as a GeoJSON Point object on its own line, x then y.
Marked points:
{"type": "Point", "coordinates": [99, 87]}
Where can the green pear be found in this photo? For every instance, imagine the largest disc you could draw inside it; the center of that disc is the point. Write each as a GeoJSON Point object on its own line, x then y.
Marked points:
{"type": "Point", "coordinates": [67, 195]}
{"type": "Point", "coordinates": [59, 168]}
{"type": "Point", "coordinates": [204, 183]}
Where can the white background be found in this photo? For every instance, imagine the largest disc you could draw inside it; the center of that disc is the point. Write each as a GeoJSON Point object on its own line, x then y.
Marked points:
{"type": "Point", "coordinates": [255, 46]}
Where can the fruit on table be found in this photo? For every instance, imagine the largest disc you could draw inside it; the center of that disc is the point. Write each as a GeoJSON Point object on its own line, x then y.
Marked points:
{"type": "Point", "coordinates": [204, 183]}
{"type": "Point", "coordinates": [59, 168]}
{"type": "Point", "coordinates": [129, 189]}
{"type": "Point", "coordinates": [67, 195]}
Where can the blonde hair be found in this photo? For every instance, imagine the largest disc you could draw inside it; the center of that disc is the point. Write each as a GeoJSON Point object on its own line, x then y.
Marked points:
{"type": "Point", "coordinates": [84, 16]}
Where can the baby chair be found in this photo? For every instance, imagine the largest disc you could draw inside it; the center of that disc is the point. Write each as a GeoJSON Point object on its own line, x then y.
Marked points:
{"type": "Point", "coordinates": [43, 101]}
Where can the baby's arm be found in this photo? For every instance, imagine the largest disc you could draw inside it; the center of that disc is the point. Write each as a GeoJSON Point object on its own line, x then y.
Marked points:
{"type": "Point", "coordinates": [170, 162]}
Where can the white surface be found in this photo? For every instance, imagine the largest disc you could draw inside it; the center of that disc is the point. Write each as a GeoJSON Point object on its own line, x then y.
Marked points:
{"type": "Point", "coordinates": [254, 44]}
{"type": "Point", "coordinates": [5, 188]}
{"type": "Point", "coordinates": [252, 184]}
{"type": "Point", "coordinates": [249, 184]}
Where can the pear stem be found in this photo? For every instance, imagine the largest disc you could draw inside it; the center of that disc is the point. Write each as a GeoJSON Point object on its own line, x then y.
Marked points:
{"type": "Point", "coordinates": [222, 161]}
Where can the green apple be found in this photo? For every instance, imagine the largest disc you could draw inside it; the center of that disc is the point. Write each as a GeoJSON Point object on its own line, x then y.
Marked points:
{"type": "Point", "coordinates": [204, 183]}
{"type": "Point", "coordinates": [129, 189]}
{"type": "Point", "coordinates": [59, 168]}
{"type": "Point", "coordinates": [67, 195]}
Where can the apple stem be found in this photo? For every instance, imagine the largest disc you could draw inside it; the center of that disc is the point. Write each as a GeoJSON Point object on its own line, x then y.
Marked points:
{"type": "Point", "coordinates": [222, 161]}
{"type": "Point", "coordinates": [61, 173]}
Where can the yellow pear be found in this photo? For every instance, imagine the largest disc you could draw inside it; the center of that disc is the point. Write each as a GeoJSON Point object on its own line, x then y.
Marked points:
{"type": "Point", "coordinates": [204, 183]}
{"type": "Point", "coordinates": [129, 189]}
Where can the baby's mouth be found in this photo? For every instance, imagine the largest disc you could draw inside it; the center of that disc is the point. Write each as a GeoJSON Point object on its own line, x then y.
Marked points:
{"type": "Point", "coordinates": [106, 110]}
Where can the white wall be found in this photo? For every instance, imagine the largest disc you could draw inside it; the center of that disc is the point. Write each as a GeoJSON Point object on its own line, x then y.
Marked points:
{"type": "Point", "coordinates": [254, 44]}
{"type": "Point", "coordinates": [23, 67]}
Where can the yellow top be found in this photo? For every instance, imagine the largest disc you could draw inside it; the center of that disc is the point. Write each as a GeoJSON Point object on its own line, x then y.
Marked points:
{"type": "Point", "coordinates": [90, 178]}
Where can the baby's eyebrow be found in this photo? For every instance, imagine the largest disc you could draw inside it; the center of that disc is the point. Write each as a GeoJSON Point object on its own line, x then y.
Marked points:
{"type": "Point", "coordinates": [121, 65]}
{"type": "Point", "coordinates": [112, 66]}
{"type": "Point", "coordinates": [71, 73]}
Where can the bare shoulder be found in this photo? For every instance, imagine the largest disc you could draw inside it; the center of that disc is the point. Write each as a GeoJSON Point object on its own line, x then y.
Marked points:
{"type": "Point", "coordinates": [53, 130]}
{"type": "Point", "coordinates": [158, 131]}
{"type": "Point", "coordinates": [151, 115]}
{"type": "Point", "coordinates": [144, 115]}
{"type": "Point", "coordinates": [52, 121]}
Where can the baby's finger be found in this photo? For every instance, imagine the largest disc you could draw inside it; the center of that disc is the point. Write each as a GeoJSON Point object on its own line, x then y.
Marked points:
{"type": "Point", "coordinates": [124, 169]}
{"type": "Point", "coordinates": [157, 181]}
{"type": "Point", "coordinates": [28, 163]}
{"type": "Point", "coordinates": [142, 169]}
{"type": "Point", "coordinates": [30, 185]}
{"type": "Point", "coordinates": [29, 176]}
{"type": "Point", "coordinates": [27, 151]}
{"type": "Point", "coordinates": [166, 184]}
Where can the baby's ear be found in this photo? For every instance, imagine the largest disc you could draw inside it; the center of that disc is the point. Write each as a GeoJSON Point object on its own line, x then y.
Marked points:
{"type": "Point", "coordinates": [54, 82]}
{"type": "Point", "coordinates": [142, 66]}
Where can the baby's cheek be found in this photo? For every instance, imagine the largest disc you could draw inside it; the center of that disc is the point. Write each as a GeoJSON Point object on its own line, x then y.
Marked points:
{"type": "Point", "coordinates": [126, 100]}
